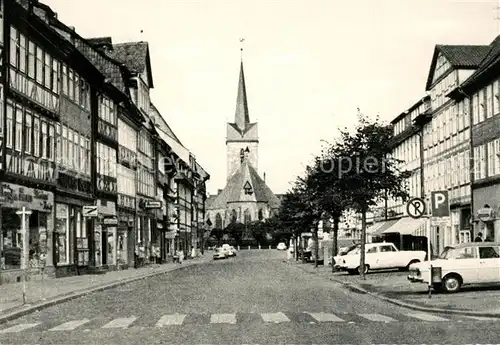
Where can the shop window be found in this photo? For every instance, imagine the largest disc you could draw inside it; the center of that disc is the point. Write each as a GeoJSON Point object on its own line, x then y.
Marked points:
{"type": "Point", "coordinates": [82, 245]}
{"type": "Point", "coordinates": [62, 234]}
{"type": "Point", "coordinates": [11, 244]}
{"type": "Point", "coordinates": [121, 248]}
{"type": "Point", "coordinates": [111, 246]}
{"type": "Point", "coordinates": [37, 238]}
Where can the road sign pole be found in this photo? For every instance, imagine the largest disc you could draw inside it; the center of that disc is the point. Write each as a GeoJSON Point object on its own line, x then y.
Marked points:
{"type": "Point", "coordinates": [429, 254]}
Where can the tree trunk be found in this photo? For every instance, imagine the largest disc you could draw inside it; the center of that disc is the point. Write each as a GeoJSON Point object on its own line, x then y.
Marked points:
{"type": "Point", "coordinates": [295, 248]}
{"type": "Point", "coordinates": [363, 241]}
{"type": "Point", "coordinates": [334, 241]}
{"type": "Point", "coordinates": [316, 247]}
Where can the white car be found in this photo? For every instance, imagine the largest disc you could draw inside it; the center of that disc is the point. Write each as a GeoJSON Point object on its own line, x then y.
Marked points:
{"type": "Point", "coordinates": [281, 246]}
{"type": "Point", "coordinates": [378, 256]}
{"type": "Point", "coordinates": [461, 264]}
{"type": "Point", "coordinates": [219, 253]}
{"type": "Point", "coordinates": [232, 251]}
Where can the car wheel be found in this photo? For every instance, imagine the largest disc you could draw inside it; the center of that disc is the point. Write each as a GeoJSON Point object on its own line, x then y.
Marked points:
{"type": "Point", "coordinates": [367, 268]}
{"type": "Point", "coordinates": [407, 268]}
{"type": "Point", "coordinates": [452, 283]}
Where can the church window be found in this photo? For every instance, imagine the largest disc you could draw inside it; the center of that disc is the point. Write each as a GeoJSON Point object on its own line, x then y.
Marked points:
{"type": "Point", "coordinates": [234, 217]}
{"type": "Point", "coordinates": [248, 188]}
{"type": "Point", "coordinates": [242, 155]}
{"type": "Point", "coordinates": [248, 216]}
{"type": "Point", "coordinates": [218, 221]}
{"type": "Point", "coordinates": [261, 214]}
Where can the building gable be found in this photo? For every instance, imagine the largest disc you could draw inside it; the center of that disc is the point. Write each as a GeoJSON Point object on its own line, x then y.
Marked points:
{"type": "Point", "coordinates": [448, 57]}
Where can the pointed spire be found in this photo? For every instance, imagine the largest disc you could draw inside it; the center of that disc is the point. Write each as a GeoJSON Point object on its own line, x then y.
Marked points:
{"type": "Point", "coordinates": [241, 116]}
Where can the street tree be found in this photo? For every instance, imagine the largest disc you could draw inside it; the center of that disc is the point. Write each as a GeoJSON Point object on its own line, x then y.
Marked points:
{"type": "Point", "coordinates": [329, 199]}
{"type": "Point", "coordinates": [236, 231]}
{"type": "Point", "coordinates": [299, 210]}
{"type": "Point", "coordinates": [258, 230]}
{"type": "Point", "coordinates": [218, 233]}
{"type": "Point", "coordinates": [366, 171]}
{"type": "Point", "coordinates": [310, 196]}
{"type": "Point", "coordinates": [289, 216]}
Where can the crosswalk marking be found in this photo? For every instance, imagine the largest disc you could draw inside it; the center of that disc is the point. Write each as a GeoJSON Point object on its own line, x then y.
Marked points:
{"type": "Point", "coordinates": [223, 318]}
{"type": "Point", "coordinates": [231, 319]}
{"type": "Point", "coordinates": [70, 325]}
{"type": "Point", "coordinates": [275, 317]}
{"type": "Point", "coordinates": [172, 319]}
{"type": "Point", "coordinates": [377, 317]}
{"type": "Point", "coordinates": [123, 322]}
{"type": "Point", "coordinates": [326, 317]}
{"type": "Point", "coordinates": [19, 328]}
{"type": "Point", "coordinates": [427, 317]}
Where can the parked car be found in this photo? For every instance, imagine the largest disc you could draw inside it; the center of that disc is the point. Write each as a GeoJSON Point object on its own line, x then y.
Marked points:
{"type": "Point", "coordinates": [378, 256]}
{"type": "Point", "coordinates": [461, 264]}
{"type": "Point", "coordinates": [219, 253]}
{"type": "Point", "coordinates": [232, 251]}
{"type": "Point", "coordinates": [281, 246]}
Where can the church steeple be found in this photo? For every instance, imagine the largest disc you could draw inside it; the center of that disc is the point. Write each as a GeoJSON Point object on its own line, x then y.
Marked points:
{"type": "Point", "coordinates": [242, 139]}
{"type": "Point", "coordinates": [241, 116]}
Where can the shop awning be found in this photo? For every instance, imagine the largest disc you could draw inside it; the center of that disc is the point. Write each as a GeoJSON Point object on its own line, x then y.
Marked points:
{"type": "Point", "coordinates": [382, 227]}
{"type": "Point", "coordinates": [406, 226]}
{"type": "Point", "coordinates": [373, 228]}
{"type": "Point", "coordinates": [179, 150]}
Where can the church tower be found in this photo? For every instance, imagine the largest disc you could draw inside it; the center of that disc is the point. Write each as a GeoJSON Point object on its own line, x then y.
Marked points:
{"type": "Point", "coordinates": [242, 140]}
{"type": "Point", "coordinates": [246, 197]}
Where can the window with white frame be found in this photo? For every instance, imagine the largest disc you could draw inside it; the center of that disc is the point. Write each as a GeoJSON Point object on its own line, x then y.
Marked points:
{"type": "Point", "coordinates": [482, 104]}
{"type": "Point", "coordinates": [107, 110]}
{"type": "Point", "coordinates": [106, 160]}
{"type": "Point", "coordinates": [489, 101]}
{"type": "Point", "coordinates": [475, 109]}
{"type": "Point", "coordinates": [19, 128]}
{"type": "Point", "coordinates": [467, 166]}
{"type": "Point", "coordinates": [479, 162]}
{"type": "Point", "coordinates": [126, 180]}
{"type": "Point", "coordinates": [496, 97]}
{"type": "Point", "coordinates": [494, 157]}
{"type": "Point", "coordinates": [127, 136]}
{"type": "Point", "coordinates": [466, 113]}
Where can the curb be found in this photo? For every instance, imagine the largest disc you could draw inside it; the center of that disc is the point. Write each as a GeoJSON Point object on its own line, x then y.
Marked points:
{"type": "Point", "coordinates": [407, 304]}
{"type": "Point", "coordinates": [77, 294]}
{"type": "Point", "coordinates": [414, 306]}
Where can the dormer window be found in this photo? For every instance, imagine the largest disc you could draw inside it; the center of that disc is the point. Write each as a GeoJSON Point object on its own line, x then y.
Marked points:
{"type": "Point", "coordinates": [248, 188]}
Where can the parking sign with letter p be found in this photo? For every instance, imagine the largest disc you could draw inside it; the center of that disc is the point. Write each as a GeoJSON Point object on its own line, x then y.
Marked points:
{"type": "Point", "coordinates": [440, 205]}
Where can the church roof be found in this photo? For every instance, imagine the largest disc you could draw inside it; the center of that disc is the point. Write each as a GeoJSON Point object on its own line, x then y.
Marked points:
{"type": "Point", "coordinates": [234, 190]}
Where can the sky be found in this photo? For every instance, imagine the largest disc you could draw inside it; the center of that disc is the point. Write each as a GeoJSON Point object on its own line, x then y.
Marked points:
{"type": "Point", "coordinates": [308, 65]}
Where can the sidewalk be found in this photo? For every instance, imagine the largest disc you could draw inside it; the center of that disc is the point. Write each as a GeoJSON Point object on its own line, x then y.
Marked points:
{"type": "Point", "coordinates": [394, 287]}
{"type": "Point", "coordinates": [40, 294]}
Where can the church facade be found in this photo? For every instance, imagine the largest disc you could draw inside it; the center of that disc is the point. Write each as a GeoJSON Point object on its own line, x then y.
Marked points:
{"type": "Point", "coordinates": [246, 197]}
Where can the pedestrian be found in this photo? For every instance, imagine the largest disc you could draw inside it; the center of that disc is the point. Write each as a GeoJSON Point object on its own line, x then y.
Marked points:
{"type": "Point", "coordinates": [479, 237]}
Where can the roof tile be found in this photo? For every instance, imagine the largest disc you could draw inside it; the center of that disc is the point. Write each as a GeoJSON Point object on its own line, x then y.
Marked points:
{"type": "Point", "coordinates": [464, 56]}
{"type": "Point", "coordinates": [132, 54]}
{"type": "Point", "coordinates": [234, 187]}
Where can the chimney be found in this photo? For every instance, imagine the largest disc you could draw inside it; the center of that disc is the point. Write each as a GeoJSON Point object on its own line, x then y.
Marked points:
{"type": "Point", "coordinates": [264, 177]}
{"type": "Point", "coordinates": [219, 191]}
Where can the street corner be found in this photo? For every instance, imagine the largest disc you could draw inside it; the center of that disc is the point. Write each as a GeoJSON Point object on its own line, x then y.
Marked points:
{"type": "Point", "coordinates": [393, 287]}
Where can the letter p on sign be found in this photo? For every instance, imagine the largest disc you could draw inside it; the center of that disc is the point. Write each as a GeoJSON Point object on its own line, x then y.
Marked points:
{"type": "Point", "coordinates": [440, 204]}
